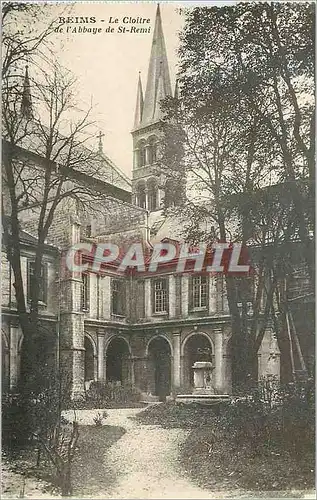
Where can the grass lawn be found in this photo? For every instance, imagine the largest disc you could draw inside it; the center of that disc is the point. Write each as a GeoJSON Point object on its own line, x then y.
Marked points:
{"type": "Point", "coordinates": [211, 459]}
{"type": "Point", "coordinates": [90, 471]}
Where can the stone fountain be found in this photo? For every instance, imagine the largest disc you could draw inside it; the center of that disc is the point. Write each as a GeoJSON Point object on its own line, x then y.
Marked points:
{"type": "Point", "coordinates": [203, 391]}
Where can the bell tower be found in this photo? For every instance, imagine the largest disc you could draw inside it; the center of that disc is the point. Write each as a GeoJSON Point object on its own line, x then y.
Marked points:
{"type": "Point", "coordinates": [146, 180]}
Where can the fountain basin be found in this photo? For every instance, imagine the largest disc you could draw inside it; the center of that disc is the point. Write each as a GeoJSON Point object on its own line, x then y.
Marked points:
{"type": "Point", "coordinates": [206, 399]}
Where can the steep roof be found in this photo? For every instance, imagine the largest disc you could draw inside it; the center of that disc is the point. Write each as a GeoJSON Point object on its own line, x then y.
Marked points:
{"type": "Point", "coordinates": [97, 165]}
{"type": "Point", "coordinates": [158, 84]}
{"type": "Point", "coordinates": [139, 104]}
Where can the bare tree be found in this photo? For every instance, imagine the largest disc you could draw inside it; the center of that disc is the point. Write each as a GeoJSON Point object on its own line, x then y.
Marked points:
{"type": "Point", "coordinates": [40, 167]}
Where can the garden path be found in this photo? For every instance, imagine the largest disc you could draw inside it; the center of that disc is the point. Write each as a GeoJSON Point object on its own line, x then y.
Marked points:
{"type": "Point", "coordinates": [145, 461]}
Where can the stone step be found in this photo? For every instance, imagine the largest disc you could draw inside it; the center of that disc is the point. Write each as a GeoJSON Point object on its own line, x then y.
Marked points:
{"type": "Point", "coordinates": [202, 398]}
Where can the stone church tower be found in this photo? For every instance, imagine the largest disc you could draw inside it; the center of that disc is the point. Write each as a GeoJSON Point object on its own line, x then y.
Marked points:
{"type": "Point", "coordinates": [147, 182]}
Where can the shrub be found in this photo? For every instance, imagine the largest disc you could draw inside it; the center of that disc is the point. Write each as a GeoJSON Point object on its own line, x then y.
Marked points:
{"type": "Point", "coordinates": [103, 393]}
{"type": "Point", "coordinates": [271, 418]}
{"type": "Point", "coordinates": [99, 418]}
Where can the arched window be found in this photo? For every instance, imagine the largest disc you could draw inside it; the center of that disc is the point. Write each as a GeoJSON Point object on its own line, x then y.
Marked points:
{"type": "Point", "coordinates": [141, 154]}
{"type": "Point", "coordinates": [152, 194]}
{"type": "Point", "coordinates": [152, 150]}
{"type": "Point", "coordinates": [140, 195]}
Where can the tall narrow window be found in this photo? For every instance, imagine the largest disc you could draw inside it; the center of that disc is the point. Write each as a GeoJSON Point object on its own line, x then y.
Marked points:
{"type": "Point", "coordinates": [152, 194]}
{"type": "Point", "coordinates": [141, 196]}
{"type": "Point", "coordinates": [199, 292]}
{"type": "Point", "coordinates": [118, 298]}
{"type": "Point", "coordinates": [85, 293]}
{"type": "Point", "coordinates": [141, 154]}
{"type": "Point", "coordinates": [160, 302]}
{"type": "Point", "coordinates": [42, 281]}
{"type": "Point", "coordinates": [152, 150]}
{"type": "Point", "coordinates": [142, 157]}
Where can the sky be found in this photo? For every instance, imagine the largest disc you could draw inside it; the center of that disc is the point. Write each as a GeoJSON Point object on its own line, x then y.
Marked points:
{"type": "Point", "coordinates": [107, 64]}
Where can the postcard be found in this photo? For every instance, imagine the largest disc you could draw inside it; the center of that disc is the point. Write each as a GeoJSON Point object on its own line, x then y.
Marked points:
{"type": "Point", "coordinates": [158, 242]}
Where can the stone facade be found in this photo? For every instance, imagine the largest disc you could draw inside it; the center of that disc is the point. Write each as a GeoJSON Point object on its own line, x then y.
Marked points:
{"type": "Point", "coordinates": [153, 351]}
{"type": "Point", "coordinates": [125, 338]}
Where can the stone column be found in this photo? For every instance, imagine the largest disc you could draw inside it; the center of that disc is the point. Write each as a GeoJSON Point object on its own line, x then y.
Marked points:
{"type": "Point", "coordinates": [158, 199]}
{"type": "Point", "coordinates": [101, 354]}
{"type": "Point", "coordinates": [72, 351]}
{"type": "Point", "coordinates": [93, 296]}
{"type": "Point", "coordinates": [225, 297]}
{"type": "Point", "coordinates": [161, 195]}
{"type": "Point", "coordinates": [185, 295]}
{"type": "Point", "coordinates": [212, 295]}
{"type": "Point", "coordinates": [171, 296]}
{"type": "Point", "coordinates": [176, 359]}
{"type": "Point", "coordinates": [227, 377]}
{"type": "Point", "coordinates": [147, 298]}
{"type": "Point", "coordinates": [146, 198]}
{"type": "Point", "coordinates": [136, 158]}
{"type": "Point", "coordinates": [132, 376]}
{"type": "Point", "coordinates": [218, 373]}
{"type": "Point", "coordinates": [105, 297]}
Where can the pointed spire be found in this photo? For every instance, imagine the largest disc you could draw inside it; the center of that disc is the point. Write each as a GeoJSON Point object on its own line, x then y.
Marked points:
{"type": "Point", "coordinates": [26, 102]}
{"type": "Point", "coordinates": [158, 79]}
{"type": "Point", "coordinates": [100, 145]}
{"type": "Point", "coordinates": [159, 96]}
{"type": "Point", "coordinates": [139, 104]}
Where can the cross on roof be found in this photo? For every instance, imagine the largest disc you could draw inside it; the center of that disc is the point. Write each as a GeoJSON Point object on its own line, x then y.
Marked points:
{"type": "Point", "coordinates": [100, 136]}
